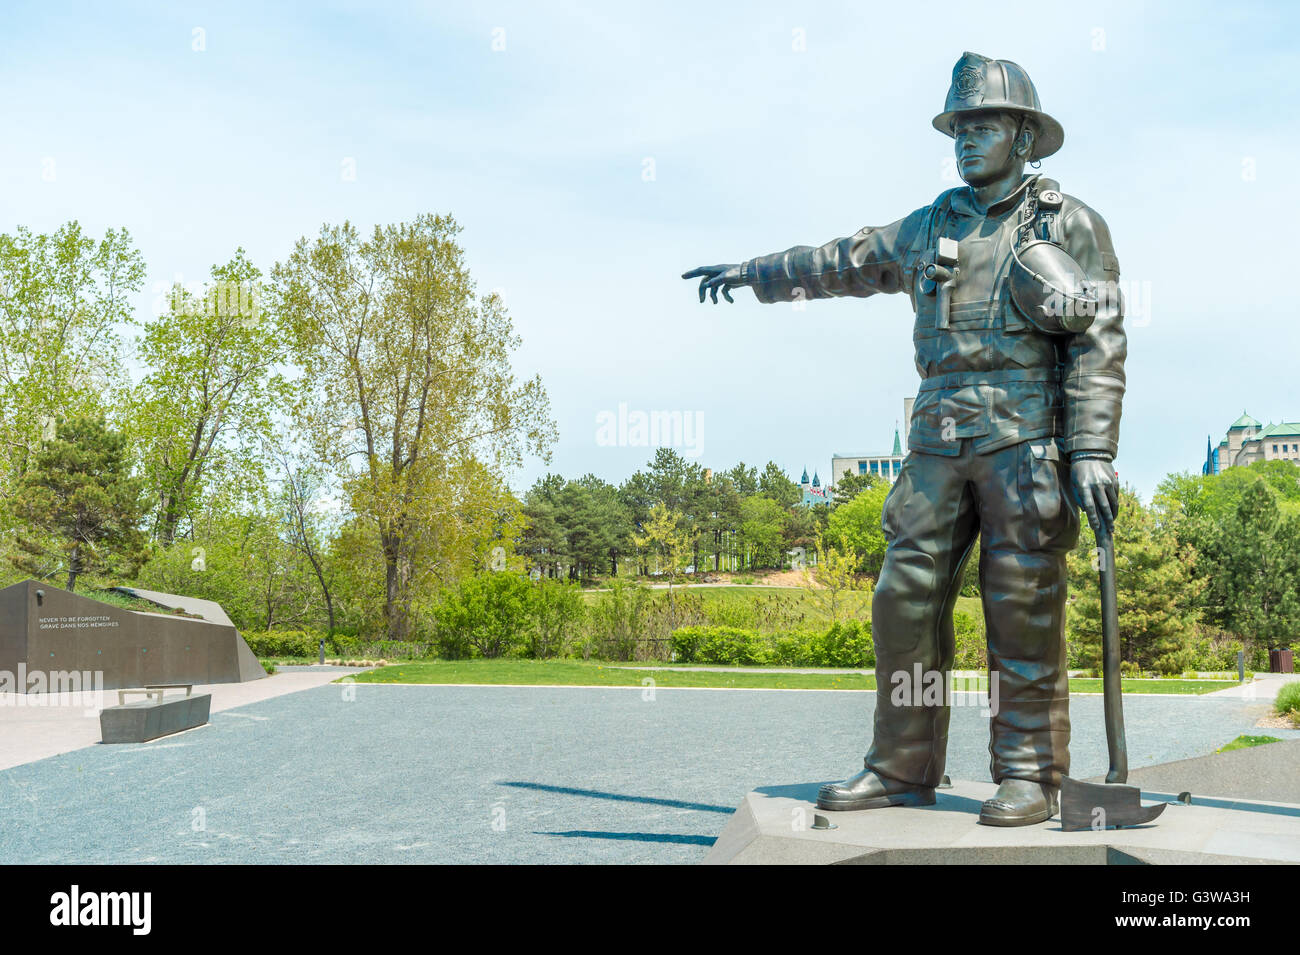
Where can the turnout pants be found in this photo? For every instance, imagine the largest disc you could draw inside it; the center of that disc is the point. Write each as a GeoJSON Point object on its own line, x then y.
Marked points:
{"type": "Point", "coordinates": [1017, 500]}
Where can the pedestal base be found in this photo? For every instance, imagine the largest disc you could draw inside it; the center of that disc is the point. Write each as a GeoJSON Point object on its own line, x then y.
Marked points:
{"type": "Point", "coordinates": [774, 826]}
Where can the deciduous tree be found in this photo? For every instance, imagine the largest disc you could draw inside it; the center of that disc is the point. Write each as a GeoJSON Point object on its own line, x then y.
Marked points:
{"type": "Point", "coordinates": [203, 412]}
{"type": "Point", "coordinates": [408, 376]}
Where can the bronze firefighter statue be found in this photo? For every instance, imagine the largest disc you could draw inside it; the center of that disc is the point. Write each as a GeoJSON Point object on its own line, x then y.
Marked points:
{"type": "Point", "coordinates": [1020, 346]}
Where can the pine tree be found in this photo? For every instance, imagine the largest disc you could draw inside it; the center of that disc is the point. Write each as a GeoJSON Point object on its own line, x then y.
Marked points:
{"type": "Point", "coordinates": [1254, 559]}
{"type": "Point", "coordinates": [81, 504]}
{"type": "Point", "coordinates": [1156, 593]}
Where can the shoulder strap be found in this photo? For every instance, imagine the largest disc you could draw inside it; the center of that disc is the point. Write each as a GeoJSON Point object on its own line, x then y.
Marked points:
{"type": "Point", "coordinates": [921, 252]}
{"type": "Point", "coordinates": [935, 218]}
{"type": "Point", "coordinates": [1044, 204]}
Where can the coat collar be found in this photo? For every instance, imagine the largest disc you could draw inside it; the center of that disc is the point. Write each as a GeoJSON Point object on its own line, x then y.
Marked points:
{"type": "Point", "coordinates": [963, 200]}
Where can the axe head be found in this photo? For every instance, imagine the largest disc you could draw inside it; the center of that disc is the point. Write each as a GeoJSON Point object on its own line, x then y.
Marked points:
{"type": "Point", "coordinates": [1093, 806]}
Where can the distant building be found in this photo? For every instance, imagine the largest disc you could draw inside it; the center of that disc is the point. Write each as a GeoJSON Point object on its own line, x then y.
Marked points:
{"type": "Point", "coordinates": [1248, 441]}
{"type": "Point", "coordinates": [813, 492]}
{"type": "Point", "coordinates": [886, 466]}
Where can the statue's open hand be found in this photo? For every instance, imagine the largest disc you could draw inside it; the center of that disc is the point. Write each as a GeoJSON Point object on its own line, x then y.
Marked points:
{"type": "Point", "coordinates": [1096, 491]}
{"type": "Point", "coordinates": [715, 278]}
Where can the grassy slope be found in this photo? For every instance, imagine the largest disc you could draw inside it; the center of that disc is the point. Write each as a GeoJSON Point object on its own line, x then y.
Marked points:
{"type": "Point", "coordinates": [793, 601]}
{"type": "Point", "coordinates": [131, 603]}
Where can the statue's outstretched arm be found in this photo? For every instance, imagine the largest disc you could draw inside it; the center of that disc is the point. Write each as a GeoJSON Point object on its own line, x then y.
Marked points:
{"type": "Point", "coordinates": [869, 261]}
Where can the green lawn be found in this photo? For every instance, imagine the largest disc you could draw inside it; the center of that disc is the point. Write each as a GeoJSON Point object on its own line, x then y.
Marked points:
{"type": "Point", "coordinates": [579, 673]}
{"type": "Point", "coordinates": [1186, 687]}
{"type": "Point", "coordinates": [1245, 742]}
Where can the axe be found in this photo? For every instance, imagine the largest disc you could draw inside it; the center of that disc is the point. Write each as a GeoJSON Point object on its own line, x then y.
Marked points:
{"type": "Point", "coordinates": [1088, 805]}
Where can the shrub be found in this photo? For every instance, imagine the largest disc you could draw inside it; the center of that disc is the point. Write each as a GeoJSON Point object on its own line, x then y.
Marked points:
{"type": "Point", "coordinates": [284, 643]}
{"type": "Point", "coordinates": [306, 643]}
{"type": "Point", "coordinates": [1288, 701]}
{"type": "Point", "coordinates": [720, 646]}
{"type": "Point", "coordinates": [489, 613]}
{"type": "Point", "coordinates": [618, 621]}
{"type": "Point", "coordinates": [557, 609]}
{"type": "Point", "coordinates": [632, 622]}
{"type": "Point", "coordinates": [1223, 656]}
{"type": "Point", "coordinates": [970, 646]}
{"type": "Point", "coordinates": [386, 649]}
{"type": "Point", "coordinates": [846, 644]}
{"type": "Point", "coordinates": [795, 649]}
{"type": "Point", "coordinates": [1177, 661]}
{"type": "Point", "coordinates": [1212, 654]}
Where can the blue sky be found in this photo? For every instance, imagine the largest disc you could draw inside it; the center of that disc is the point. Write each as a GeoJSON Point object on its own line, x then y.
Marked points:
{"type": "Point", "coordinates": [1179, 131]}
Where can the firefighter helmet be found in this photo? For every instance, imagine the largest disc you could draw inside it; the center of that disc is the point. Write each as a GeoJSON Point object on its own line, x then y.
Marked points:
{"type": "Point", "coordinates": [979, 83]}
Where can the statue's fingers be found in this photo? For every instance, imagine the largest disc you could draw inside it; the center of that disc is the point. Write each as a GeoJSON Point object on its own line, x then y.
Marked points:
{"type": "Point", "coordinates": [1112, 492]}
{"type": "Point", "coordinates": [1076, 493]}
{"type": "Point", "coordinates": [696, 273]}
{"type": "Point", "coordinates": [1103, 506]}
{"type": "Point", "coordinates": [1090, 509]}
{"type": "Point", "coordinates": [704, 286]}
{"type": "Point", "coordinates": [726, 293]}
{"type": "Point", "coordinates": [713, 293]}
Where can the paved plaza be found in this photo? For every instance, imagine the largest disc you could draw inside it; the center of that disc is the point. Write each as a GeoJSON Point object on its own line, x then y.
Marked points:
{"type": "Point", "coordinates": [486, 774]}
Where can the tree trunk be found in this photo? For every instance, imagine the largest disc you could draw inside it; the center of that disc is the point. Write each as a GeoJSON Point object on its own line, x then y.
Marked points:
{"type": "Point", "coordinates": [397, 597]}
{"type": "Point", "coordinates": [74, 568]}
{"type": "Point", "coordinates": [170, 520]}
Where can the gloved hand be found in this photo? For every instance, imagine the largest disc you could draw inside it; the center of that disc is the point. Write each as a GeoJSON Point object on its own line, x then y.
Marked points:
{"type": "Point", "coordinates": [715, 278]}
{"type": "Point", "coordinates": [1092, 477]}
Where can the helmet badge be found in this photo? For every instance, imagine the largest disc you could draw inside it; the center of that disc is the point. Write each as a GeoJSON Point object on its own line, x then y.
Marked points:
{"type": "Point", "coordinates": [969, 84]}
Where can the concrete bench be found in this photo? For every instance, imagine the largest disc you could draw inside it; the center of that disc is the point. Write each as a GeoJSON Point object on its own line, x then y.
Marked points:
{"type": "Point", "coordinates": [154, 716]}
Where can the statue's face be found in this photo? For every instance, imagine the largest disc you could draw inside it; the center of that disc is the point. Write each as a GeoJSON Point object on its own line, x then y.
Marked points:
{"type": "Point", "coordinates": [985, 143]}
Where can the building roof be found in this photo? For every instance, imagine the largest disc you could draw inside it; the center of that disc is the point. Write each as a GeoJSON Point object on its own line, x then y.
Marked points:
{"type": "Point", "coordinates": [1245, 421]}
{"type": "Point", "coordinates": [1287, 429]}
{"type": "Point", "coordinates": [898, 447]}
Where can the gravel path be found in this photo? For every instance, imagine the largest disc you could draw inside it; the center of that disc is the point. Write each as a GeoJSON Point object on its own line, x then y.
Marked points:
{"type": "Point", "coordinates": [495, 774]}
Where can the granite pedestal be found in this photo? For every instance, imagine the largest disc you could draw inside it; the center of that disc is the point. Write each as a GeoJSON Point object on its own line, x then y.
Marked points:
{"type": "Point", "coordinates": [774, 826]}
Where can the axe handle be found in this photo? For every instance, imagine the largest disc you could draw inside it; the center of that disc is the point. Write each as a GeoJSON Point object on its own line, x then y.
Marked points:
{"type": "Point", "coordinates": [1113, 702]}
